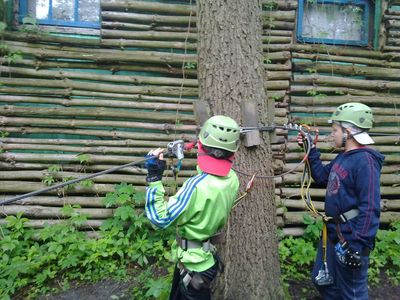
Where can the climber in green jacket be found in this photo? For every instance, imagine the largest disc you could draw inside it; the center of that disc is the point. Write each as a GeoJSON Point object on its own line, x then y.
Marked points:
{"type": "Point", "coordinates": [199, 209]}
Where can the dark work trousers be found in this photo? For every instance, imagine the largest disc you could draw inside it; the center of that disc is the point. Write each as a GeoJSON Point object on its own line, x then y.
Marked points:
{"type": "Point", "coordinates": [179, 292]}
{"type": "Point", "coordinates": [348, 283]}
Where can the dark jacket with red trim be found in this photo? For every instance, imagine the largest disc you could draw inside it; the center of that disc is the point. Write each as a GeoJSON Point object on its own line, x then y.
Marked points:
{"type": "Point", "coordinates": [352, 181]}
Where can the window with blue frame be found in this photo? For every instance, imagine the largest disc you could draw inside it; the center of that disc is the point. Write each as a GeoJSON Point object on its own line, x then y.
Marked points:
{"type": "Point", "coordinates": [72, 13]}
{"type": "Point", "coordinates": [341, 22]}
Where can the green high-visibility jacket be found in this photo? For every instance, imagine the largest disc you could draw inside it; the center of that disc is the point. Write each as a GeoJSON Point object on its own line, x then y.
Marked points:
{"type": "Point", "coordinates": [199, 209]}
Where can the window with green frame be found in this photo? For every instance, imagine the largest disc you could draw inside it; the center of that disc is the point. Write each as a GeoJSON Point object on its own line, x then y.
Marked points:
{"type": "Point", "coordinates": [69, 13]}
{"type": "Point", "coordinates": [338, 22]}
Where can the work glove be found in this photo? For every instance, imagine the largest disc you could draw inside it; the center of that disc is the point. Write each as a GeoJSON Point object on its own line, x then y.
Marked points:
{"type": "Point", "coordinates": [301, 139]}
{"type": "Point", "coordinates": [348, 256]}
{"type": "Point", "coordinates": [155, 166]}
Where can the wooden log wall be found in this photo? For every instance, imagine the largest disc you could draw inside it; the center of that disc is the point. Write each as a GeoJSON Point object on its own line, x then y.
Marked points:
{"type": "Point", "coordinates": [91, 103]}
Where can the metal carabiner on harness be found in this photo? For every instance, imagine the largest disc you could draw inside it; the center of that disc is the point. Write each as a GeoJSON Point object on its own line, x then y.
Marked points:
{"type": "Point", "coordinates": [175, 148]}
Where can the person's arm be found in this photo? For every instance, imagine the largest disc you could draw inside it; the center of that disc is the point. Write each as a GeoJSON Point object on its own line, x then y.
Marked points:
{"type": "Point", "coordinates": [163, 213]}
{"type": "Point", "coordinates": [319, 171]}
{"type": "Point", "coordinates": [367, 187]}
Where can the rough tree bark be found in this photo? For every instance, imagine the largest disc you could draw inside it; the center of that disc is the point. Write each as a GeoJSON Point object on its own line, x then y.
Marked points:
{"type": "Point", "coordinates": [231, 75]}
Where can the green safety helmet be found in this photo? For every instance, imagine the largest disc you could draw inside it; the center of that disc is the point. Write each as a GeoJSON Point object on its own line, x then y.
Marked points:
{"type": "Point", "coordinates": [220, 132]}
{"type": "Point", "coordinates": [355, 113]}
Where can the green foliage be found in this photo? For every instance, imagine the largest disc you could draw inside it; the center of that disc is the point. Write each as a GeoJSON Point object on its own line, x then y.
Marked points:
{"type": "Point", "coordinates": [30, 25]}
{"type": "Point", "coordinates": [267, 61]}
{"type": "Point", "coordinates": [386, 255]}
{"type": "Point", "coordinates": [190, 65]}
{"type": "Point", "coordinates": [3, 27]}
{"type": "Point", "coordinates": [270, 5]}
{"type": "Point", "coordinates": [83, 158]}
{"type": "Point", "coordinates": [297, 255]}
{"type": "Point", "coordinates": [61, 253]}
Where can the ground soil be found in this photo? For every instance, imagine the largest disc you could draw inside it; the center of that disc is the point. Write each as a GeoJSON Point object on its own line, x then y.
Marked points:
{"type": "Point", "coordinates": [116, 290]}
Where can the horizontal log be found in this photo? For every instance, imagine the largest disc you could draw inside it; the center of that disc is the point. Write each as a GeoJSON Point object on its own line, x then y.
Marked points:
{"type": "Point", "coordinates": [378, 119]}
{"type": "Point", "coordinates": [106, 178]}
{"type": "Point", "coordinates": [273, 32]}
{"type": "Point", "coordinates": [378, 85]}
{"type": "Point", "coordinates": [288, 15]}
{"type": "Point", "coordinates": [386, 179]}
{"type": "Point", "coordinates": [321, 108]}
{"type": "Point", "coordinates": [389, 158]}
{"type": "Point", "coordinates": [101, 87]}
{"type": "Point", "coordinates": [293, 231]}
{"type": "Point", "coordinates": [296, 218]}
{"type": "Point", "coordinates": [60, 201]}
{"type": "Point", "coordinates": [113, 68]}
{"type": "Point", "coordinates": [269, 48]}
{"type": "Point", "coordinates": [276, 84]}
{"type": "Point", "coordinates": [86, 142]}
{"type": "Point", "coordinates": [294, 89]}
{"type": "Point", "coordinates": [289, 192]}
{"type": "Point", "coordinates": [77, 149]}
{"type": "Point", "coordinates": [378, 100]}
{"type": "Point", "coordinates": [349, 51]}
{"type": "Point", "coordinates": [36, 211]}
{"type": "Point", "coordinates": [279, 4]}
{"type": "Point", "coordinates": [145, 6]}
{"type": "Point", "coordinates": [115, 134]}
{"type": "Point", "coordinates": [354, 60]}
{"type": "Point", "coordinates": [299, 204]}
{"type": "Point", "coordinates": [12, 166]}
{"type": "Point", "coordinates": [124, 43]}
{"type": "Point", "coordinates": [40, 37]}
{"type": "Point", "coordinates": [386, 169]}
{"type": "Point", "coordinates": [148, 35]}
{"type": "Point", "coordinates": [393, 33]}
{"type": "Point", "coordinates": [393, 41]}
{"type": "Point", "coordinates": [277, 56]}
{"type": "Point", "coordinates": [151, 19]}
{"type": "Point", "coordinates": [106, 56]}
{"type": "Point", "coordinates": [15, 187]}
{"type": "Point", "coordinates": [71, 158]}
{"type": "Point", "coordinates": [98, 113]}
{"type": "Point", "coordinates": [278, 67]}
{"type": "Point", "coordinates": [328, 146]}
{"type": "Point", "coordinates": [276, 39]}
{"type": "Point", "coordinates": [37, 224]}
{"type": "Point", "coordinates": [74, 123]}
{"type": "Point", "coordinates": [136, 80]}
{"type": "Point", "coordinates": [352, 70]}
{"type": "Point", "coordinates": [67, 102]}
{"type": "Point", "coordinates": [278, 25]}
{"type": "Point", "coordinates": [276, 75]}
{"type": "Point", "coordinates": [395, 24]}
{"type": "Point", "coordinates": [326, 138]}
{"type": "Point", "coordinates": [112, 24]}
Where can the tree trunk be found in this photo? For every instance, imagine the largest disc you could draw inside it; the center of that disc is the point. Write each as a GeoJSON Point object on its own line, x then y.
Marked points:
{"type": "Point", "coordinates": [231, 75]}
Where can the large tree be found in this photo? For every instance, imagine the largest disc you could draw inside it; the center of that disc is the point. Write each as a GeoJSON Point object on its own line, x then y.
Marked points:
{"type": "Point", "coordinates": [231, 78]}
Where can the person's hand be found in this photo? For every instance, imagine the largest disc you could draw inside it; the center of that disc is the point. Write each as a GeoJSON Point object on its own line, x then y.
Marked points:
{"type": "Point", "coordinates": [301, 139]}
{"type": "Point", "coordinates": [155, 165]}
{"type": "Point", "coordinates": [347, 256]}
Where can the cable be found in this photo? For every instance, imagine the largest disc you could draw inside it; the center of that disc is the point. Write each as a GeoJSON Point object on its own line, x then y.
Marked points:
{"type": "Point", "coordinates": [292, 127]}
{"type": "Point", "coordinates": [60, 185]}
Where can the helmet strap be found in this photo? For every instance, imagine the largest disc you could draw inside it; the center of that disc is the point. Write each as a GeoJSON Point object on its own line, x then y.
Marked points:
{"type": "Point", "coordinates": [345, 136]}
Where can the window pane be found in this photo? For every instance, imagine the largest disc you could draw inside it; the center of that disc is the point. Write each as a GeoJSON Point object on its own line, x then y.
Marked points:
{"type": "Point", "coordinates": [89, 10]}
{"type": "Point", "coordinates": [38, 9]}
{"type": "Point", "coordinates": [333, 21]}
{"type": "Point", "coordinates": [63, 10]}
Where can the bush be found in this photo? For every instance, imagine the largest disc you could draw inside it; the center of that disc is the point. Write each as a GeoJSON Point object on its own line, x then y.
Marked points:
{"type": "Point", "coordinates": [35, 258]}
